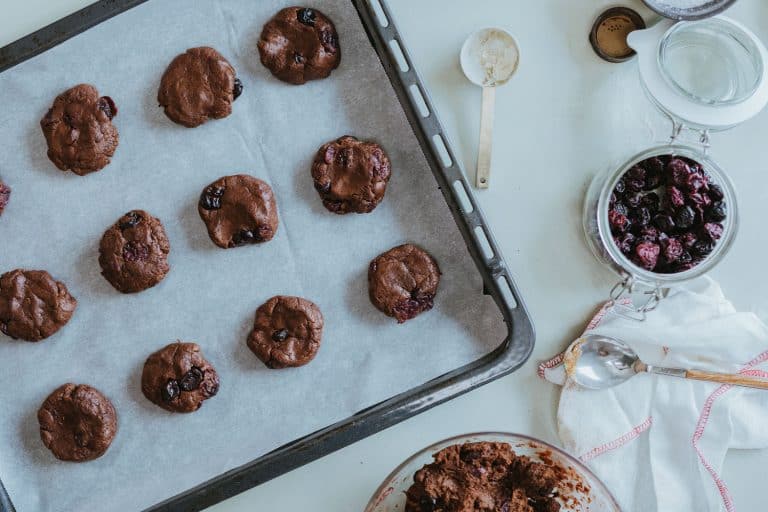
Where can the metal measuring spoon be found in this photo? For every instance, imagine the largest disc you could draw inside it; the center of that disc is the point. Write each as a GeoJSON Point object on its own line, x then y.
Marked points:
{"type": "Point", "coordinates": [598, 362]}
{"type": "Point", "coordinates": [489, 58]}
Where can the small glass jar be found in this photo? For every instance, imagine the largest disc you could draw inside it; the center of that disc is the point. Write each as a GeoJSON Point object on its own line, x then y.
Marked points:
{"type": "Point", "coordinates": [633, 277]}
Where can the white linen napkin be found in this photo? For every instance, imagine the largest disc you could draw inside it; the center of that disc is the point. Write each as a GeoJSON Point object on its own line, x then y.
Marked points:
{"type": "Point", "coordinates": [659, 442]}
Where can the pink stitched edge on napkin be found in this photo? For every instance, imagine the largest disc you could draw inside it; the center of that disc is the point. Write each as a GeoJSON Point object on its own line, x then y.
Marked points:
{"type": "Point", "coordinates": [702, 424]}
{"type": "Point", "coordinates": [755, 373]}
{"type": "Point", "coordinates": [548, 365]}
{"type": "Point", "coordinates": [619, 442]}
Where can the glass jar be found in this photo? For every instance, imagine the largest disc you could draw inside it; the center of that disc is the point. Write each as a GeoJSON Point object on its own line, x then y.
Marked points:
{"type": "Point", "coordinates": [668, 58]}
{"type": "Point", "coordinates": [635, 279]}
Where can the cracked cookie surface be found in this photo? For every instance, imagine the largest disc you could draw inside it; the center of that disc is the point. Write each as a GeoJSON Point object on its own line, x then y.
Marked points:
{"type": "Point", "coordinates": [238, 210]}
{"type": "Point", "coordinates": [178, 378]}
{"type": "Point", "coordinates": [351, 175]}
{"type": "Point", "coordinates": [287, 332]}
{"type": "Point", "coordinates": [77, 423]}
{"type": "Point", "coordinates": [133, 253]}
{"type": "Point", "coordinates": [198, 85]}
{"type": "Point", "coordinates": [403, 281]}
{"type": "Point", "coordinates": [79, 131]}
{"type": "Point", "coordinates": [33, 305]}
{"type": "Point", "coordinates": [299, 44]}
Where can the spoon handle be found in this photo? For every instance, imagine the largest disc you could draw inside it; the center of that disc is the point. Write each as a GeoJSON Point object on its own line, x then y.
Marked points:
{"type": "Point", "coordinates": [727, 378]}
{"type": "Point", "coordinates": [486, 137]}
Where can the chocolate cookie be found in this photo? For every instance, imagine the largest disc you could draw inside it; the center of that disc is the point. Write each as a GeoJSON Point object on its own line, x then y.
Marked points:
{"type": "Point", "coordinates": [79, 131]}
{"type": "Point", "coordinates": [77, 423]}
{"type": "Point", "coordinates": [287, 332]}
{"type": "Point", "coordinates": [133, 253]}
{"type": "Point", "coordinates": [351, 175]}
{"type": "Point", "coordinates": [198, 85]}
{"type": "Point", "coordinates": [238, 210]}
{"type": "Point", "coordinates": [299, 44]}
{"type": "Point", "coordinates": [5, 196]}
{"type": "Point", "coordinates": [33, 305]}
{"type": "Point", "coordinates": [178, 378]}
{"type": "Point", "coordinates": [402, 282]}
{"type": "Point", "coordinates": [484, 476]}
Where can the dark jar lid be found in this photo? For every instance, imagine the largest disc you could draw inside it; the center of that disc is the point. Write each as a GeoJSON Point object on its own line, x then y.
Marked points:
{"type": "Point", "coordinates": [610, 30]}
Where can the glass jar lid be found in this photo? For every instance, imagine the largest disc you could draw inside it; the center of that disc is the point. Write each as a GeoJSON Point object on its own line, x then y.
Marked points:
{"type": "Point", "coordinates": [709, 74]}
{"type": "Point", "coordinates": [710, 62]}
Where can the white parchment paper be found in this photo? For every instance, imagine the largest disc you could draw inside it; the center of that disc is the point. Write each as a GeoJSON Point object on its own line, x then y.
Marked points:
{"type": "Point", "coordinates": [55, 220]}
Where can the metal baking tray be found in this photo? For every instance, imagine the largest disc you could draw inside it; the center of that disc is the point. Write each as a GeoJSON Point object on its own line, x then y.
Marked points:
{"type": "Point", "coordinates": [512, 351]}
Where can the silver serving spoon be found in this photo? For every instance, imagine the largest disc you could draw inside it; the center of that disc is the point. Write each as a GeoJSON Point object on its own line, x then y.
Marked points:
{"type": "Point", "coordinates": [598, 362]}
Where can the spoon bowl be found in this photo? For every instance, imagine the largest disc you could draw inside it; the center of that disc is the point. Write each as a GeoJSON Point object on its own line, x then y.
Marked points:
{"type": "Point", "coordinates": [495, 42]}
{"type": "Point", "coordinates": [598, 362]}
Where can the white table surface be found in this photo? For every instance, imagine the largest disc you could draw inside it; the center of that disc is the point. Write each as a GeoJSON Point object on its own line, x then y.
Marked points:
{"type": "Point", "coordinates": [565, 116]}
